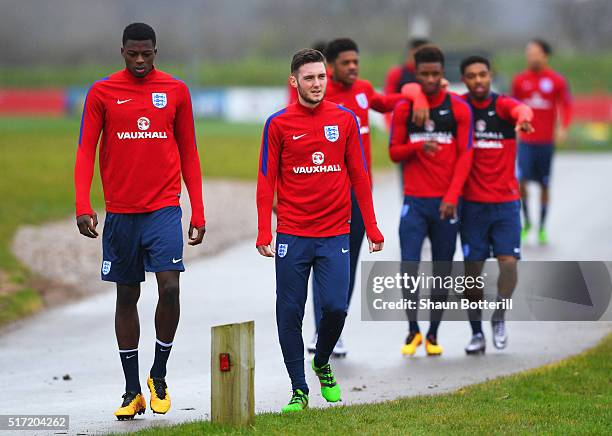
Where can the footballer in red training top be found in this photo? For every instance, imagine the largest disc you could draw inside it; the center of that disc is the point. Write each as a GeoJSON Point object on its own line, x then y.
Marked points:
{"type": "Point", "coordinates": [345, 88]}
{"type": "Point", "coordinates": [490, 217]}
{"type": "Point", "coordinates": [148, 141]}
{"type": "Point", "coordinates": [547, 93]}
{"type": "Point", "coordinates": [311, 154]}
{"type": "Point", "coordinates": [436, 161]}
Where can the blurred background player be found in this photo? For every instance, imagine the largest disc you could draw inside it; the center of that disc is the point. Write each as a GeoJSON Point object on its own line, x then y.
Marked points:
{"type": "Point", "coordinates": [345, 88]}
{"type": "Point", "coordinates": [292, 91]}
{"type": "Point", "coordinates": [490, 216]}
{"type": "Point", "coordinates": [311, 154]}
{"type": "Point", "coordinates": [146, 120]}
{"type": "Point", "coordinates": [400, 75]}
{"type": "Point", "coordinates": [547, 93]}
{"type": "Point", "coordinates": [436, 161]}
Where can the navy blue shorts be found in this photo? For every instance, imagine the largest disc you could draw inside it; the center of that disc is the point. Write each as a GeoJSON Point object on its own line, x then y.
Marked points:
{"type": "Point", "coordinates": [133, 243]}
{"type": "Point", "coordinates": [491, 229]}
{"type": "Point", "coordinates": [420, 218]}
{"type": "Point", "coordinates": [535, 162]}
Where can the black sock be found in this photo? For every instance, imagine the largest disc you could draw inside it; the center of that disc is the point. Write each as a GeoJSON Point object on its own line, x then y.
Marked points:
{"type": "Point", "coordinates": [129, 361]}
{"type": "Point", "coordinates": [162, 352]}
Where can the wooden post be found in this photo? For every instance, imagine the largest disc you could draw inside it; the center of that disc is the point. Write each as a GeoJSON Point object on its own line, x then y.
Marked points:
{"type": "Point", "coordinates": [233, 374]}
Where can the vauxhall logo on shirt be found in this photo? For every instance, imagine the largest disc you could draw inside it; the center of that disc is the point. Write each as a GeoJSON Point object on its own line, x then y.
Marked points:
{"type": "Point", "coordinates": [143, 124]}
{"type": "Point", "coordinates": [430, 134]}
{"type": "Point", "coordinates": [318, 158]}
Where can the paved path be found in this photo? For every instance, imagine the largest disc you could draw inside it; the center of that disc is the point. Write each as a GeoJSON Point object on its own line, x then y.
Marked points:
{"type": "Point", "coordinates": [238, 285]}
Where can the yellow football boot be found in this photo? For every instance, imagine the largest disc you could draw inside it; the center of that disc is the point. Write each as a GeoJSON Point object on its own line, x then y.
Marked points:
{"type": "Point", "coordinates": [432, 347]}
{"type": "Point", "coordinates": [160, 399]}
{"type": "Point", "coordinates": [133, 403]}
{"type": "Point", "coordinates": [412, 343]}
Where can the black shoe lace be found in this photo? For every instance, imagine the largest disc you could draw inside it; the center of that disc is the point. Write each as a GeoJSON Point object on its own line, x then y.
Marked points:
{"type": "Point", "coordinates": [159, 384]}
{"type": "Point", "coordinates": [128, 397]}
{"type": "Point", "coordinates": [326, 377]}
{"type": "Point", "coordinates": [297, 398]}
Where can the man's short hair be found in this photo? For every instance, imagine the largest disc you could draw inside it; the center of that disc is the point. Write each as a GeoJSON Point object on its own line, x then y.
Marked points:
{"type": "Point", "coordinates": [427, 54]}
{"type": "Point", "coordinates": [337, 46]}
{"type": "Point", "coordinates": [476, 59]}
{"type": "Point", "coordinates": [544, 45]}
{"type": "Point", "coordinates": [139, 32]}
{"type": "Point", "coordinates": [306, 56]}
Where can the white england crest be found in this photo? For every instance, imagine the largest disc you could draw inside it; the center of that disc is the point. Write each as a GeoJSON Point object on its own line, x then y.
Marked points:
{"type": "Point", "coordinates": [332, 133]}
{"type": "Point", "coordinates": [362, 100]}
{"type": "Point", "coordinates": [106, 267]}
{"type": "Point", "coordinates": [282, 250]}
{"type": "Point", "coordinates": [159, 99]}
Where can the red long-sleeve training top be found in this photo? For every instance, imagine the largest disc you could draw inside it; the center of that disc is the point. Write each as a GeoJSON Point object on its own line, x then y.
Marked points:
{"type": "Point", "coordinates": [148, 140]}
{"type": "Point", "coordinates": [443, 173]}
{"type": "Point", "coordinates": [313, 157]}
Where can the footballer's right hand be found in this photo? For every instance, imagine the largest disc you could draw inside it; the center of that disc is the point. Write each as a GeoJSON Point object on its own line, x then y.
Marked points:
{"type": "Point", "coordinates": [266, 250]}
{"type": "Point", "coordinates": [87, 225]}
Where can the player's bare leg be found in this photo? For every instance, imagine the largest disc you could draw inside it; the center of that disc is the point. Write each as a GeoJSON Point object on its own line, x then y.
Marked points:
{"type": "Point", "coordinates": [166, 321]}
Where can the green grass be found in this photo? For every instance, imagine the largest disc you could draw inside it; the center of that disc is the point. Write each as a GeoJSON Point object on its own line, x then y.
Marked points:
{"type": "Point", "coordinates": [18, 304]}
{"type": "Point", "coordinates": [570, 397]}
{"type": "Point", "coordinates": [585, 72]}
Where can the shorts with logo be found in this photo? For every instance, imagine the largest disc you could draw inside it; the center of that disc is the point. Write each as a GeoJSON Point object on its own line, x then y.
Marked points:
{"type": "Point", "coordinates": [491, 229]}
{"type": "Point", "coordinates": [535, 162]}
{"type": "Point", "coordinates": [133, 243]}
{"type": "Point", "coordinates": [420, 218]}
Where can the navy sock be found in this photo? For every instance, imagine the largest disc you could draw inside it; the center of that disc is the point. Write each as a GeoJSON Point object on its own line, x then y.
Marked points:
{"type": "Point", "coordinates": [475, 317]}
{"type": "Point", "coordinates": [129, 362]}
{"type": "Point", "coordinates": [526, 212]}
{"type": "Point", "coordinates": [543, 212]}
{"type": "Point", "coordinates": [162, 352]}
{"type": "Point", "coordinates": [413, 327]}
{"type": "Point", "coordinates": [433, 329]}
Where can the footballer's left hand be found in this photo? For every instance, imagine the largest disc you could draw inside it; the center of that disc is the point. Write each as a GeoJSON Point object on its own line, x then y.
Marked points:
{"type": "Point", "coordinates": [198, 237]}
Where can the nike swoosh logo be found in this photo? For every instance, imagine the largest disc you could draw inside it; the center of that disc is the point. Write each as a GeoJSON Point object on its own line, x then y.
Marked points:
{"type": "Point", "coordinates": [164, 349]}
{"type": "Point", "coordinates": [453, 220]}
{"type": "Point", "coordinates": [444, 112]}
{"type": "Point", "coordinates": [345, 251]}
{"type": "Point", "coordinates": [176, 260]}
{"type": "Point", "coordinates": [491, 113]}
{"type": "Point", "coordinates": [123, 101]}
{"type": "Point", "coordinates": [295, 138]}
{"type": "Point", "coordinates": [129, 357]}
